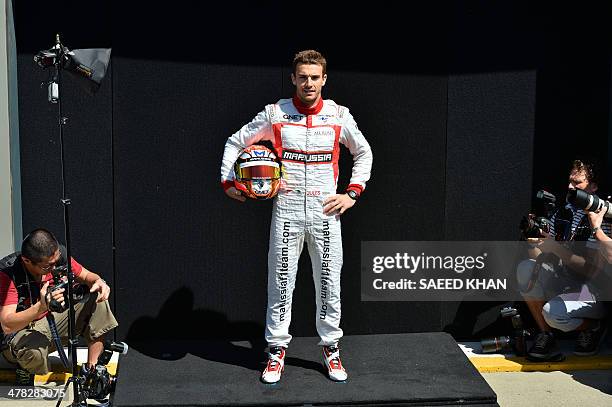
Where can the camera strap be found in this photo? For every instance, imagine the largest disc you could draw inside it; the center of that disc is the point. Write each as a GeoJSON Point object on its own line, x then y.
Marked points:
{"type": "Point", "coordinates": [57, 340]}
{"type": "Point", "coordinates": [5, 339]}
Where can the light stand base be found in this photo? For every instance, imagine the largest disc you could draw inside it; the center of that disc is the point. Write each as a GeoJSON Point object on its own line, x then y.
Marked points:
{"type": "Point", "coordinates": [78, 401]}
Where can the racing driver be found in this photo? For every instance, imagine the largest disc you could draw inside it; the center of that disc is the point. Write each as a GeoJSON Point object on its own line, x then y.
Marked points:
{"type": "Point", "coordinates": [306, 132]}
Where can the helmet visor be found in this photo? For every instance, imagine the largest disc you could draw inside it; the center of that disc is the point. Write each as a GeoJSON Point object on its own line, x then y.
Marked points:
{"type": "Point", "coordinates": [269, 170]}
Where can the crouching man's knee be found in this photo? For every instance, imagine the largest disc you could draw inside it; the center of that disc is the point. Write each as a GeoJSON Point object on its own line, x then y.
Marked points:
{"type": "Point", "coordinates": [556, 316]}
{"type": "Point", "coordinates": [524, 273]}
{"type": "Point", "coordinates": [34, 360]}
{"type": "Point", "coordinates": [29, 349]}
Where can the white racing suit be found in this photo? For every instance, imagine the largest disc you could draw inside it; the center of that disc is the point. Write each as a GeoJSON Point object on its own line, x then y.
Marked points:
{"type": "Point", "coordinates": [307, 140]}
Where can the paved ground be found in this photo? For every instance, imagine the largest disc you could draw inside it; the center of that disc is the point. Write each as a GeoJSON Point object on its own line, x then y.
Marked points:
{"type": "Point", "coordinates": [519, 383]}
{"type": "Point", "coordinates": [591, 388]}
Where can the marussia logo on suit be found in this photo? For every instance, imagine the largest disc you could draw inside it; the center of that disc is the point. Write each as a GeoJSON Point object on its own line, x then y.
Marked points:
{"type": "Point", "coordinates": [320, 157]}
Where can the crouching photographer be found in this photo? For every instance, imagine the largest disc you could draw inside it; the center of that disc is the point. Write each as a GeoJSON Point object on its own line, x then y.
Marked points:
{"type": "Point", "coordinates": [556, 281]}
{"type": "Point", "coordinates": [33, 306]}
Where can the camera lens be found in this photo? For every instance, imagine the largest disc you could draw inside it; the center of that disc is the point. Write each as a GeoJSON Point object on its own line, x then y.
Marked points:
{"type": "Point", "coordinates": [589, 202]}
{"type": "Point", "coordinates": [583, 199]}
{"type": "Point", "coordinates": [494, 344]}
{"type": "Point", "coordinates": [508, 312]}
{"type": "Point", "coordinates": [120, 347]}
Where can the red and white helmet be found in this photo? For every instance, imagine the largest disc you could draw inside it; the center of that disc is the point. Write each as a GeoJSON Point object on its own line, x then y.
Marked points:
{"type": "Point", "coordinates": [257, 172]}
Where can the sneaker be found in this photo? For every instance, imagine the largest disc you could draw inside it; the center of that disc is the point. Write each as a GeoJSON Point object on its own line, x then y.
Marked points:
{"type": "Point", "coordinates": [23, 377]}
{"type": "Point", "coordinates": [588, 341]}
{"type": "Point", "coordinates": [276, 365]}
{"type": "Point", "coordinates": [101, 402]}
{"type": "Point", "coordinates": [331, 358]}
{"type": "Point", "coordinates": [544, 347]}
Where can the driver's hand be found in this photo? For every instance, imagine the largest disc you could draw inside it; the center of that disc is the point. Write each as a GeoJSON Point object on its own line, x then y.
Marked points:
{"type": "Point", "coordinates": [233, 193]}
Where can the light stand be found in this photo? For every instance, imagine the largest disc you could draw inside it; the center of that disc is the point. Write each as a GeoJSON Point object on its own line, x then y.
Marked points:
{"type": "Point", "coordinates": [55, 88]}
{"type": "Point", "coordinates": [58, 58]}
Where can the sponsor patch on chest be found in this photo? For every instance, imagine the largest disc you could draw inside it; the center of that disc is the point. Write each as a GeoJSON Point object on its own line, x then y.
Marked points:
{"type": "Point", "coordinates": [323, 132]}
{"type": "Point", "coordinates": [319, 157]}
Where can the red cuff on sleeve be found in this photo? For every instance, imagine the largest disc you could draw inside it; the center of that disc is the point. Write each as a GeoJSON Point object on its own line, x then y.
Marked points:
{"type": "Point", "coordinates": [227, 185]}
{"type": "Point", "coordinates": [355, 187]}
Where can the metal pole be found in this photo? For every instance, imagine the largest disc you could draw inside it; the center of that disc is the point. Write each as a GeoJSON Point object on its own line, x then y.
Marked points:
{"type": "Point", "coordinates": [72, 340]}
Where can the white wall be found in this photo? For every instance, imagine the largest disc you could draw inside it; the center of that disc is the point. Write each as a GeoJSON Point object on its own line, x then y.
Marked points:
{"type": "Point", "coordinates": [10, 186]}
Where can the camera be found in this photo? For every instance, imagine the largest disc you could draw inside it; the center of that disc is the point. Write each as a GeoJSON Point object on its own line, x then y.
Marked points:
{"type": "Point", "coordinates": [80, 292]}
{"type": "Point", "coordinates": [589, 202]}
{"type": "Point", "coordinates": [517, 342]}
{"type": "Point", "coordinates": [532, 225]}
{"type": "Point", "coordinates": [95, 381]}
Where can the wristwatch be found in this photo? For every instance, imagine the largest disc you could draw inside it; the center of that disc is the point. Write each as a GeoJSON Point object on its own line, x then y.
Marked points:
{"type": "Point", "coordinates": [354, 195]}
{"type": "Point", "coordinates": [594, 230]}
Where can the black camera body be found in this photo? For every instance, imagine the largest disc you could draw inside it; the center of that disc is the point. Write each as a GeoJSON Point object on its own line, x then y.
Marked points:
{"type": "Point", "coordinates": [95, 381]}
{"type": "Point", "coordinates": [80, 292]}
{"type": "Point", "coordinates": [534, 225]}
{"type": "Point", "coordinates": [517, 342]}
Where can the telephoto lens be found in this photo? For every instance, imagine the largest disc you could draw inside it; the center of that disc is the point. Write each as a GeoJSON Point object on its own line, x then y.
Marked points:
{"type": "Point", "coordinates": [546, 196]}
{"type": "Point", "coordinates": [589, 202]}
{"type": "Point", "coordinates": [120, 347]}
{"type": "Point", "coordinates": [496, 344]}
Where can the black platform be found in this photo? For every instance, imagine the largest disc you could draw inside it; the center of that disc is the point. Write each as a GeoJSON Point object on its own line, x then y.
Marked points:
{"type": "Point", "coordinates": [398, 369]}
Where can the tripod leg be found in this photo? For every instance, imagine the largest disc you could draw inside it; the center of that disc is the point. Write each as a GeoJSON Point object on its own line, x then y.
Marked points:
{"type": "Point", "coordinates": [64, 393]}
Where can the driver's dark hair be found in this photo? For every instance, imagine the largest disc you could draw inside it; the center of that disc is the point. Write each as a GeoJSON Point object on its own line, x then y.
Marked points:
{"type": "Point", "coordinates": [39, 244]}
{"type": "Point", "coordinates": [309, 57]}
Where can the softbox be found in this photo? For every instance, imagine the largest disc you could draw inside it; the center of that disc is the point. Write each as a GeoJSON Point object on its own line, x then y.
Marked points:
{"type": "Point", "coordinates": [89, 66]}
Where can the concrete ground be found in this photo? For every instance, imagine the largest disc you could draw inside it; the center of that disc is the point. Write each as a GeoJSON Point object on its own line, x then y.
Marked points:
{"type": "Point", "coordinates": [576, 381]}
{"type": "Point", "coordinates": [591, 388]}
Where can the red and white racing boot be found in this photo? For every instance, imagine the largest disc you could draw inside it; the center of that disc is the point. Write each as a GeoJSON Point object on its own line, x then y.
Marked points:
{"type": "Point", "coordinates": [276, 365]}
{"type": "Point", "coordinates": [331, 358]}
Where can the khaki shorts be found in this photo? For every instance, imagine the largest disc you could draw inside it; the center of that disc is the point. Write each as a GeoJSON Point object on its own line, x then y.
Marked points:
{"type": "Point", "coordinates": [30, 347]}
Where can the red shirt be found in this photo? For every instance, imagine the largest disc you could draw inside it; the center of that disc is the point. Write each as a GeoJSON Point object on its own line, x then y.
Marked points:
{"type": "Point", "coordinates": [8, 291]}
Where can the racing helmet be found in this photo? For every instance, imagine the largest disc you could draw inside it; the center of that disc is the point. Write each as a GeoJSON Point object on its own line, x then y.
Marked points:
{"type": "Point", "coordinates": [257, 172]}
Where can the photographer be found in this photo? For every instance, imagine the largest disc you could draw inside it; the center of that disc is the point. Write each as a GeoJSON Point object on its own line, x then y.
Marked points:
{"type": "Point", "coordinates": [556, 281]}
{"type": "Point", "coordinates": [26, 290]}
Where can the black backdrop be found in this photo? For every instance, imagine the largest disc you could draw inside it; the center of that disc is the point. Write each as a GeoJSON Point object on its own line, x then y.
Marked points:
{"type": "Point", "coordinates": [445, 93]}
